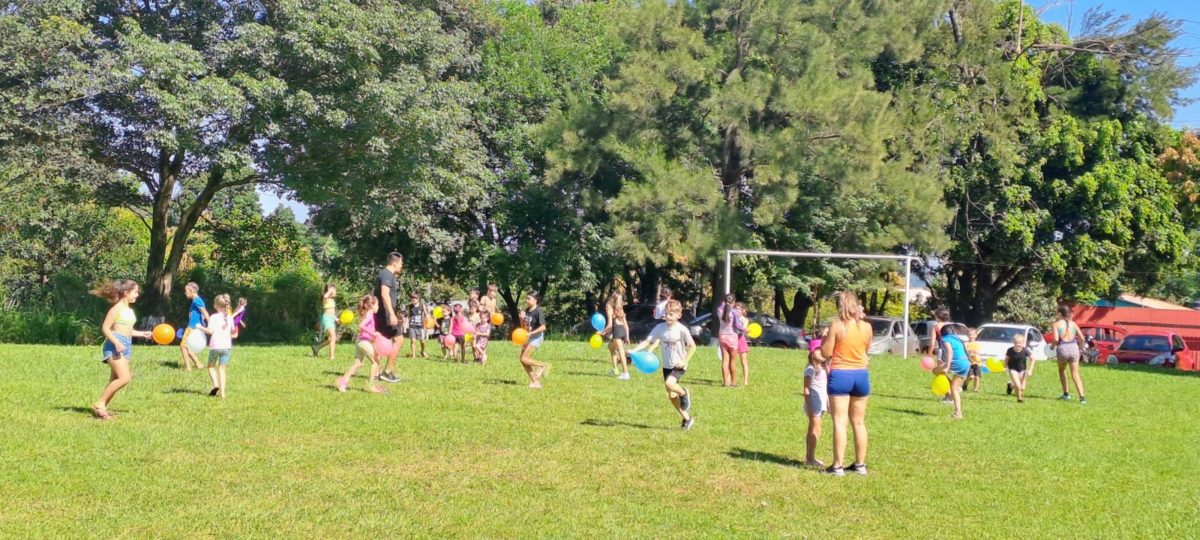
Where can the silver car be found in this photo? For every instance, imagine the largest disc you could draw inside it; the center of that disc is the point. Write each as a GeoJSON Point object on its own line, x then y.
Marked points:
{"type": "Point", "coordinates": [889, 336]}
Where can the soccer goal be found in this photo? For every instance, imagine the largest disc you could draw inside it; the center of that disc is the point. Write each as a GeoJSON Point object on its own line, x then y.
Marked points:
{"type": "Point", "coordinates": [731, 253]}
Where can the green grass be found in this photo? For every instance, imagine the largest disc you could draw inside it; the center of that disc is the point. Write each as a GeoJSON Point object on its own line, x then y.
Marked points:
{"type": "Point", "coordinates": [464, 451]}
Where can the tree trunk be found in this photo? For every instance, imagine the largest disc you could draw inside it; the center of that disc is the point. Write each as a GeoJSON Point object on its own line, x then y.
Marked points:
{"type": "Point", "coordinates": [159, 278]}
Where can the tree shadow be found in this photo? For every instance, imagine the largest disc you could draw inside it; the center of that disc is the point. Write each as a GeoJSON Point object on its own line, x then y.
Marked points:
{"type": "Point", "coordinates": [618, 423]}
{"type": "Point", "coordinates": [913, 412]}
{"type": "Point", "coordinates": [765, 457]}
{"type": "Point", "coordinates": [500, 381]}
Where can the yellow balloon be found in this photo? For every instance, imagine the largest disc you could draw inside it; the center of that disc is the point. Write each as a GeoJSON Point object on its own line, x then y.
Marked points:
{"type": "Point", "coordinates": [596, 341]}
{"type": "Point", "coordinates": [437, 312]}
{"type": "Point", "coordinates": [468, 337]}
{"type": "Point", "coordinates": [754, 330]}
{"type": "Point", "coordinates": [940, 385]}
{"type": "Point", "coordinates": [995, 365]}
{"type": "Point", "coordinates": [346, 317]}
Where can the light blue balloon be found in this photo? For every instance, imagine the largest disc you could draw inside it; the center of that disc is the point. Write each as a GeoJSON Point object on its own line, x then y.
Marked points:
{"type": "Point", "coordinates": [598, 322]}
{"type": "Point", "coordinates": [645, 361]}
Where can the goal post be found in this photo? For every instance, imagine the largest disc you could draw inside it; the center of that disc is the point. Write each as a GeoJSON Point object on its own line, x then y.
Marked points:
{"type": "Point", "coordinates": [730, 253]}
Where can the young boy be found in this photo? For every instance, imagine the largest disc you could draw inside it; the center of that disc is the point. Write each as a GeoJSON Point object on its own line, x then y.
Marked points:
{"type": "Point", "coordinates": [677, 350]}
{"type": "Point", "coordinates": [1017, 360]}
{"type": "Point", "coordinates": [416, 326]}
{"type": "Point", "coordinates": [197, 317]}
{"type": "Point", "coordinates": [975, 372]}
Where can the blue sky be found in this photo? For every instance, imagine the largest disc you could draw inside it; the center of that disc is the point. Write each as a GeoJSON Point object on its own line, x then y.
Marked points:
{"type": "Point", "coordinates": [1068, 13]}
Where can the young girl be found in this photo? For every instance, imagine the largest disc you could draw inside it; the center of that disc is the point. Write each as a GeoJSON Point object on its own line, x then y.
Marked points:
{"type": "Point", "coordinates": [816, 398]}
{"type": "Point", "coordinates": [328, 328]}
{"type": "Point", "coordinates": [118, 339]}
{"type": "Point", "coordinates": [443, 325]}
{"type": "Point", "coordinates": [677, 350]}
{"type": "Point", "coordinates": [239, 317]}
{"type": "Point", "coordinates": [1067, 336]}
{"type": "Point", "coordinates": [197, 316]}
{"type": "Point", "coordinates": [743, 321]}
{"type": "Point", "coordinates": [368, 306]}
{"type": "Point", "coordinates": [617, 328]}
{"type": "Point", "coordinates": [416, 326]}
{"type": "Point", "coordinates": [535, 323]}
{"type": "Point", "coordinates": [460, 326]}
{"type": "Point", "coordinates": [727, 338]}
{"type": "Point", "coordinates": [1017, 359]}
{"type": "Point", "coordinates": [220, 343]}
{"type": "Point", "coordinates": [956, 364]}
{"type": "Point", "coordinates": [483, 330]}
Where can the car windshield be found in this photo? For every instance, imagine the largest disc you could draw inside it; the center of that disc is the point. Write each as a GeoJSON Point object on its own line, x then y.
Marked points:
{"type": "Point", "coordinates": [1000, 334]}
{"type": "Point", "coordinates": [1158, 344]}
{"type": "Point", "coordinates": [881, 327]}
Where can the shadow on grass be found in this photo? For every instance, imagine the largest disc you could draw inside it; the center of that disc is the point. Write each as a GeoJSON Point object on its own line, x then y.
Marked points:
{"type": "Point", "coordinates": [913, 412]}
{"type": "Point", "coordinates": [185, 391]}
{"type": "Point", "coordinates": [765, 457]}
{"type": "Point", "coordinates": [170, 364]}
{"type": "Point", "coordinates": [1143, 368]}
{"type": "Point", "coordinates": [500, 381]}
{"type": "Point", "coordinates": [590, 374]}
{"type": "Point", "coordinates": [80, 410]}
{"type": "Point", "coordinates": [618, 423]}
{"type": "Point", "coordinates": [702, 382]}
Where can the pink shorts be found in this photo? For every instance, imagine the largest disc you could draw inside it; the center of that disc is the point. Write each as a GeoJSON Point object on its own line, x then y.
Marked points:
{"type": "Point", "coordinates": [729, 342]}
{"type": "Point", "coordinates": [743, 346]}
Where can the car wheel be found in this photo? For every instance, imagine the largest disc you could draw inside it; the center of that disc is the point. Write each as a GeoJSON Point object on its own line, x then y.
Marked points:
{"type": "Point", "coordinates": [778, 345]}
{"type": "Point", "coordinates": [1112, 361]}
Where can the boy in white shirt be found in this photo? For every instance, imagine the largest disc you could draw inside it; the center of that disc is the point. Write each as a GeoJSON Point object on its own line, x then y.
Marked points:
{"type": "Point", "coordinates": [677, 350]}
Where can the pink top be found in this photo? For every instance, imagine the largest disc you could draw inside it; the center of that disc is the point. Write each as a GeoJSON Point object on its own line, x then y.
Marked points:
{"type": "Point", "coordinates": [461, 326]}
{"type": "Point", "coordinates": [366, 329]}
{"type": "Point", "coordinates": [221, 326]}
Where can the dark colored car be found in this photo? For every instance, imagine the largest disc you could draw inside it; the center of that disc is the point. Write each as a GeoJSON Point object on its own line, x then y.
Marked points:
{"type": "Point", "coordinates": [776, 333]}
{"type": "Point", "coordinates": [1152, 348]}
{"type": "Point", "coordinates": [639, 317]}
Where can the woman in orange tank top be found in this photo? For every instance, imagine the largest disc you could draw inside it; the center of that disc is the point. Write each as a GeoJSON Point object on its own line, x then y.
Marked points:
{"type": "Point", "coordinates": [849, 382]}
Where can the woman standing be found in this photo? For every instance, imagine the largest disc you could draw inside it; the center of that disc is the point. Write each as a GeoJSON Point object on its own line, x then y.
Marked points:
{"type": "Point", "coordinates": [849, 383]}
{"type": "Point", "coordinates": [1066, 337]}
{"type": "Point", "coordinates": [617, 330]}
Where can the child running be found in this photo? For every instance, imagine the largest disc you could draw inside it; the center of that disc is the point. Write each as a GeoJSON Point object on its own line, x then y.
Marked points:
{"type": "Point", "coordinates": [416, 325]}
{"type": "Point", "coordinates": [975, 373]}
{"type": "Point", "coordinates": [368, 306]}
{"type": "Point", "coordinates": [956, 364]}
{"type": "Point", "coordinates": [816, 399]}
{"type": "Point", "coordinates": [535, 323]}
{"type": "Point", "coordinates": [328, 329]}
{"type": "Point", "coordinates": [483, 331]}
{"type": "Point", "coordinates": [617, 329]}
{"type": "Point", "coordinates": [118, 339]}
{"type": "Point", "coordinates": [197, 316]}
{"type": "Point", "coordinates": [220, 343]}
{"type": "Point", "coordinates": [1017, 359]}
{"type": "Point", "coordinates": [677, 350]}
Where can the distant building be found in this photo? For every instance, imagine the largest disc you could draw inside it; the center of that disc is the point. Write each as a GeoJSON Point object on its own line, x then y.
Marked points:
{"type": "Point", "coordinates": [1133, 300]}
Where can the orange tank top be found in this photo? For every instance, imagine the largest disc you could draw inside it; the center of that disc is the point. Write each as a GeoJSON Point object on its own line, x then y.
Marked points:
{"type": "Point", "coordinates": [850, 350]}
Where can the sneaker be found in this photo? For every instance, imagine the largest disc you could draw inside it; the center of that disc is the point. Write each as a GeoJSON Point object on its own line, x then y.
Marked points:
{"type": "Point", "coordinates": [947, 401]}
{"type": "Point", "coordinates": [1065, 397]}
{"type": "Point", "coordinates": [341, 384]}
{"type": "Point", "coordinates": [687, 424]}
{"type": "Point", "coordinates": [1082, 400]}
{"type": "Point", "coordinates": [834, 471]}
{"type": "Point", "coordinates": [685, 401]}
{"type": "Point", "coordinates": [1009, 389]}
{"type": "Point", "coordinates": [389, 377]}
{"type": "Point", "coordinates": [858, 468]}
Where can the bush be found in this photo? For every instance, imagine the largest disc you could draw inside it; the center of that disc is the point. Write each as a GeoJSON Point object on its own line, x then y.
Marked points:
{"type": "Point", "coordinates": [48, 328]}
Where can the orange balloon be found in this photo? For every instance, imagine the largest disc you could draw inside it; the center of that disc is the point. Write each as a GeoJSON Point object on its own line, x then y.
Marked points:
{"type": "Point", "coordinates": [163, 334]}
{"type": "Point", "coordinates": [429, 324]}
{"type": "Point", "coordinates": [497, 319]}
{"type": "Point", "coordinates": [520, 336]}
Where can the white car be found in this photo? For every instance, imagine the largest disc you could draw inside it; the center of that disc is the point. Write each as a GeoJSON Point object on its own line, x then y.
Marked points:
{"type": "Point", "coordinates": [995, 339]}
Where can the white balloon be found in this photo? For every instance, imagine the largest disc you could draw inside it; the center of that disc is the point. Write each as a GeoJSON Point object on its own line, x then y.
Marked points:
{"type": "Point", "coordinates": [196, 341]}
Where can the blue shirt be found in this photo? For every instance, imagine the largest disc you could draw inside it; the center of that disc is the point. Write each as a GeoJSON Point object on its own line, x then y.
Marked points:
{"type": "Point", "coordinates": [958, 352]}
{"type": "Point", "coordinates": [195, 317]}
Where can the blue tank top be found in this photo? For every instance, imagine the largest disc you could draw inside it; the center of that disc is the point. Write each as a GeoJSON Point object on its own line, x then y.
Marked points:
{"type": "Point", "coordinates": [958, 350]}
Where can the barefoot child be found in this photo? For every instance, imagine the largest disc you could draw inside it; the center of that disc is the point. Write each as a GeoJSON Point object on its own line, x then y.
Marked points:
{"type": "Point", "coordinates": [239, 317]}
{"type": "Point", "coordinates": [483, 331]}
{"type": "Point", "coordinates": [677, 350]}
{"type": "Point", "coordinates": [955, 364]}
{"type": "Point", "coordinates": [328, 327]}
{"type": "Point", "coordinates": [535, 323]}
{"type": "Point", "coordinates": [197, 316]}
{"type": "Point", "coordinates": [416, 326]}
{"type": "Point", "coordinates": [975, 372]}
{"type": "Point", "coordinates": [1017, 360]}
{"type": "Point", "coordinates": [368, 307]}
{"type": "Point", "coordinates": [220, 343]}
{"type": "Point", "coordinates": [816, 398]}
{"type": "Point", "coordinates": [118, 339]}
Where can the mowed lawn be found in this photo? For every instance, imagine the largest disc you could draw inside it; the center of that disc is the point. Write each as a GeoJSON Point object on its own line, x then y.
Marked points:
{"type": "Point", "coordinates": [467, 451]}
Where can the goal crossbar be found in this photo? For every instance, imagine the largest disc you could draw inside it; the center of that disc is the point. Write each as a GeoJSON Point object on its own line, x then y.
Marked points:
{"type": "Point", "coordinates": [730, 253]}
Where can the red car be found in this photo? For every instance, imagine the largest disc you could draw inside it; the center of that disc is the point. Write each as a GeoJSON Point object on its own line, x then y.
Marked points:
{"type": "Point", "coordinates": [1165, 348]}
{"type": "Point", "coordinates": [1102, 339]}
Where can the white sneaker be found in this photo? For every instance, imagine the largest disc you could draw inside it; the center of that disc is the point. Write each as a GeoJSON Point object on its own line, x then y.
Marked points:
{"type": "Point", "coordinates": [623, 377]}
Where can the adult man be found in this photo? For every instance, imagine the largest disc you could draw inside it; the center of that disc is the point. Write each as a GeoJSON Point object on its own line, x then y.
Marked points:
{"type": "Point", "coordinates": [387, 319]}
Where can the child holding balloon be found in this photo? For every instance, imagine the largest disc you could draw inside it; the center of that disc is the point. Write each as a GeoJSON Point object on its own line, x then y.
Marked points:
{"type": "Point", "coordinates": [534, 323]}
{"type": "Point", "coordinates": [328, 326]}
{"type": "Point", "coordinates": [368, 306]}
{"type": "Point", "coordinates": [975, 373]}
{"type": "Point", "coordinates": [956, 362]}
{"type": "Point", "coordinates": [220, 343]}
{"type": "Point", "coordinates": [744, 345]}
{"type": "Point", "coordinates": [460, 326]}
{"type": "Point", "coordinates": [118, 339]}
{"type": "Point", "coordinates": [677, 349]}
{"type": "Point", "coordinates": [197, 316]}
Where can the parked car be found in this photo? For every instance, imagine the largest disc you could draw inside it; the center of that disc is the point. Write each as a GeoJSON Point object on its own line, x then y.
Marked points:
{"type": "Point", "coordinates": [1100, 340]}
{"type": "Point", "coordinates": [889, 336]}
{"type": "Point", "coordinates": [776, 333]}
{"type": "Point", "coordinates": [994, 340]}
{"type": "Point", "coordinates": [640, 318]}
{"type": "Point", "coordinates": [1164, 348]}
{"type": "Point", "coordinates": [922, 330]}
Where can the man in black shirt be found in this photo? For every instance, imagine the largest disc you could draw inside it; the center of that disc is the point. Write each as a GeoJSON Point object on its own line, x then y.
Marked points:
{"type": "Point", "coordinates": [387, 319]}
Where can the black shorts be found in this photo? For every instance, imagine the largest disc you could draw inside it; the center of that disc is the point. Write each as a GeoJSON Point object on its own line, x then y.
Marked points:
{"type": "Point", "coordinates": [382, 326]}
{"type": "Point", "coordinates": [674, 372]}
{"type": "Point", "coordinates": [620, 332]}
{"type": "Point", "coordinates": [974, 371]}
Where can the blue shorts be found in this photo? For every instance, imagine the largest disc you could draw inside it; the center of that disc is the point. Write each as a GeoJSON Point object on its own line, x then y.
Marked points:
{"type": "Point", "coordinates": [849, 382]}
{"type": "Point", "coordinates": [960, 369]}
{"type": "Point", "coordinates": [218, 357]}
{"type": "Point", "coordinates": [110, 351]}
{"type": "Point", "coordinates": [536, 342]}
{"type": "Point", "coordinates": [328, 322]}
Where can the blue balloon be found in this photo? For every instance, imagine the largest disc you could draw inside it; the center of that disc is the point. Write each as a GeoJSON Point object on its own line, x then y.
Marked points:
{"type": "Point", "coordinates": [645, 361]}
{"type": "Point", "coordinates": [984, 369]}
{"type": "Point", "coordinates": [598, 322]}
{"type": "Point", "coordinates": [179, 334]}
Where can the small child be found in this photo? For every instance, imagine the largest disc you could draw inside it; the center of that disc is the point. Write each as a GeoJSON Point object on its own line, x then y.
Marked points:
{"type": "Point", "coordinates": [368, 306]}
{"type": "Point", "coordinates": [327, 329]}
{"type": "Point", "coordinates": [743, 347]}
{"type": "Point", "coordinates": [974, 373]}
{"type": "Point", "coordinates": [220, 344]}
{"type": "Point", "coordinates": [535, 323]}
{"type": "Point", "coordinates": [460, 326]}
{"type": "Point", "coordinates": [677, 349]}
{"type": "Point", "coordinates": [816, 398]}
{"type": "Point", "coordinates": [443, 325]}
{"type": "Point", "coordinates": [118, 339]}
{"type": "Point", "coordinates": [956, 364]}
{"type": "Point", "coordinates": [416, 326]}
{"type": "Point", "coordinates": [483, 331]}
{"type": "Point", "coordinates": [1017, 360]}
{"type": "Point", "coordinates": [197, 316]}
{"type": "Point", "coordinates": [239, 317]}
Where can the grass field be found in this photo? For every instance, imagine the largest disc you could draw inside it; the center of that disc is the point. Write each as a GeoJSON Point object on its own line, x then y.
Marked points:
{"type": "Point", "coordinates": [467, 451]}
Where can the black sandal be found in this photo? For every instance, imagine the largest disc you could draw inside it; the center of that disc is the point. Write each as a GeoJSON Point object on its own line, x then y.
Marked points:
{"type": "Point", "coordinates": [213, 392]}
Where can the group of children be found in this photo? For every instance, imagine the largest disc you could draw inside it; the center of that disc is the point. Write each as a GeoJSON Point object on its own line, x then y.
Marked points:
{"type": "Point", "coordinates": [958, 359]}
